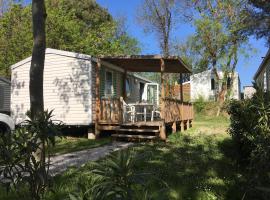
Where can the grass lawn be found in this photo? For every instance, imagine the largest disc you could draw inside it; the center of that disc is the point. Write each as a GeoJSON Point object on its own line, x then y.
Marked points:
{"type": "Point", "coordinates": [71, 144]}
{"type": "Point", "coordinates": [194, 165]}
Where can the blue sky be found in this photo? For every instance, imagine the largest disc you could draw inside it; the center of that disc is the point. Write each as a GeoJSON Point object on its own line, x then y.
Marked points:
{"type": "Point", "coordinates": [129, 8]}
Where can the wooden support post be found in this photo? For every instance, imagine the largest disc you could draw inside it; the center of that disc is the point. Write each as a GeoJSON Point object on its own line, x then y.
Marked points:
{"type": "Point", "coordinates": [181, 88]}
{"type": "Point", "coordinates": [162, 106]}
{"type": "Point", "coordinates": [182, 124]}
{"type": "Point", "coordinates": [174, 127]}
{"type": "Point", "coordinates": [98, 104]}
{"type": "Point", "coordinates": [124, 86]}
{"type": "Point", "coordinates": [188, 126]}
{"type": "Point", "coordinates": [163, 131]}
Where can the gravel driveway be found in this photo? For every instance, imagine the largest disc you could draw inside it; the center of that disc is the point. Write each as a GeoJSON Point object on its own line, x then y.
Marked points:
{"type": "Point", "coordinates": [60, 163]}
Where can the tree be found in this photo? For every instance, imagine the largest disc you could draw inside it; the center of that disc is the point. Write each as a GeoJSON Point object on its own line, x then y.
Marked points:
{"type": "Point", "coordinates": [70, 26]}
{"type": "Point", "coordinates": [160, 17]}
{"type": "Point", "coordinates": [38, 57]}
{"type": "Point", "coordinates": [219, 36]}
{"type": "Point", "coordinates": [36, 76]}
{"type": "Point", "coordinates": [259, 19]}
{"type": "Point", "coordinates": [4, 5]}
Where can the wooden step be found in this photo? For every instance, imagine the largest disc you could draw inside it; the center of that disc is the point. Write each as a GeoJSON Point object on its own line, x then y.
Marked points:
{"type": "Point", "coordinates": [139, 130]}
{"type": "Point", "coordinates": [138, 124]}
{"type": "Point", "coordinates": [149, 137]}
{"type": "Point", "coordinates": [108, 128]}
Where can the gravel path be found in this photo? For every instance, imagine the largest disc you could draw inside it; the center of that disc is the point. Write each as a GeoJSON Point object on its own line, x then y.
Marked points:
{"type": "Point", "coordinates": [60, 163]}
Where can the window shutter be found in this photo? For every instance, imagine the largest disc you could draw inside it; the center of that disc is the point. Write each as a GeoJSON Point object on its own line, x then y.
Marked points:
{"type": "Point", "coordinates": [115, 75]}
{"type": "Point", "coordinates": [102, 82]}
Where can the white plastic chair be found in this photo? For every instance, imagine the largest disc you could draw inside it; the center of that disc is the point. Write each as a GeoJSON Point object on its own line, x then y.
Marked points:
{"type": "Point", "coordinates": [154, 112]}
{"type": "Point", "coordinates": [128, 112]}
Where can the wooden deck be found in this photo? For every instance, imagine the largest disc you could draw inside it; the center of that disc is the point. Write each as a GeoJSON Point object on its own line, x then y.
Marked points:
{"type": "Point", "coordinates": [174, 113]}
{"type": "Point", "coordinates": [177, 116]}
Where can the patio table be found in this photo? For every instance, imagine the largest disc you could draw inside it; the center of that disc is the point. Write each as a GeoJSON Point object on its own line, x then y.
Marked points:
{"type": "Point", "coordinates": [144, 106]}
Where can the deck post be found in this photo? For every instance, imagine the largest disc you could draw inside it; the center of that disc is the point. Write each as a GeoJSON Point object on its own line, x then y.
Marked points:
{"type": "Point", "coordinates": [182, 124]}
{"type": "Point", "coordinates": [124, 85]}
{"type": "Point", "coordinates": [181, 88]}
{"type": "Point", "coordinates": [162, 106]}
{"type": "Point", "coordinates": [174, 127]}
{"type": "Point", "coordinates": [98, 104]}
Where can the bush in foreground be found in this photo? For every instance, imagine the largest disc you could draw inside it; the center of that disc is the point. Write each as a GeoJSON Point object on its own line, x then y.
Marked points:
{"type": "Point", "coordinates": [250, 130]}
{"type": "Point", "coordinates": [23, 155]}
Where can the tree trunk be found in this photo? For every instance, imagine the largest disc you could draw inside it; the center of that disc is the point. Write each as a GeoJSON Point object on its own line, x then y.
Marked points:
{"type": "Point", "coordinates": [38, 57]}
{"type": "Point", "coordinates": [36, 78]}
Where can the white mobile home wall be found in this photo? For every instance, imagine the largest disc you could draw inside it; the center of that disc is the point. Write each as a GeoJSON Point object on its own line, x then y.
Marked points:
{"type": "Point", "coordinates": [67, 87]}
{"type": "Point", "coordinates": [200, 85]}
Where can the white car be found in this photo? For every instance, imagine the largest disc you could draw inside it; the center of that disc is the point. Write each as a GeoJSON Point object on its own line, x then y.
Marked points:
{"type": "Point", "coordinates": [6, 123]}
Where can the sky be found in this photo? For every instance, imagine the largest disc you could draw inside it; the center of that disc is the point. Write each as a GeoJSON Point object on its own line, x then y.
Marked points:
{"type": "Point", "coordinates": [128, 9]}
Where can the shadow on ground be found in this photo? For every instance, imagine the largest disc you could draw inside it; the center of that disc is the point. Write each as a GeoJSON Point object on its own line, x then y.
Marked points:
{"type": "Point", "coordinates": [194, 168]}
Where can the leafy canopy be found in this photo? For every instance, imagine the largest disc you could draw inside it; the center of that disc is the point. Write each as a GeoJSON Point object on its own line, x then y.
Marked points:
{"type": "Point", "coordinates": [259, 19]}
{"type": "Point", "coordinates": [73, 25]}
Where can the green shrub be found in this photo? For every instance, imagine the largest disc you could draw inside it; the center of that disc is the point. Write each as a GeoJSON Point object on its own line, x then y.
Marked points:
{"type": "Point", "coordinates": [119, 176]}
{"type": "Point", "coordinates": [199, 104]}
{"type": "Point", "coordinates": [250, 130]}
{"type": "Point", "coordinates": [23, 153]}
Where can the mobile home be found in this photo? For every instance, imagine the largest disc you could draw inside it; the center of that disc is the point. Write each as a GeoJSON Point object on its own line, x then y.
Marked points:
{"type": "Point", "coordinates": [99, 91]}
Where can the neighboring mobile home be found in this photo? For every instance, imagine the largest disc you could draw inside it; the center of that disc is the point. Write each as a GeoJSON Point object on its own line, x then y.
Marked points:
{"type": "Point", "coordinates": [204, 85]}
{"type": "Point", "coordinates": [262, 75]}
{"type": "Point", "coordinates": [4, 95]}
{"type": "Point", "coordinates": [207, 85]}
{"type": "Point", "coordinates": [232, 83]}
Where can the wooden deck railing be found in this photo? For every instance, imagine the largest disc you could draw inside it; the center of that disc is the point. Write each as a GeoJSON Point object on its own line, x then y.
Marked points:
{"type": "Point", "coordinates": [175, 110]}
{"type": "Point", "coordinates": [110, 110]}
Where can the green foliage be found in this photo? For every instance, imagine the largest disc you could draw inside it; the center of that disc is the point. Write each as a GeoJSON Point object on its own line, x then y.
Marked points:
{"type": "Point", "coordinates": [79, 26]}
{"type": "Point", "coordinates": [199, 104]}
{"type": "Point", "coordinates": [251, 133]}
{"type": "Point", "coordinates": [194, 164]}
{"type": "Point", "coordinates": [258, 20]}
{"type": "Point", "coordinates": [116, 177]}
{"type": "Point", "coordinates": [23, 155]}
{"type": "Point", "coordinates": [218, 38]}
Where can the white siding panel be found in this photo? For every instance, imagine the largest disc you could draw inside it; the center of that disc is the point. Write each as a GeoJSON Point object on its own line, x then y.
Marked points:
{"type": "Point", "coordinates": [67, 89]}
{"type": "Point", "coordinates": [20, 101]}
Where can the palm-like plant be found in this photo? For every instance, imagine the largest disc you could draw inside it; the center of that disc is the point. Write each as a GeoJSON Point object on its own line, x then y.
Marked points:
{"type": "Point", "coordinates": [118, 176]}
{"type": "Point", "coordinates": [23, 153]}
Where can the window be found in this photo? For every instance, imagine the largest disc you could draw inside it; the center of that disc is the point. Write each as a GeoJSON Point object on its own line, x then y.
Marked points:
{"type": "Point", "coordinates": [128, 89]}
{"type": "Point", "coordinates": [213, 84]}
{"type": "Point", "coordinates": [229, 83]}
{"type": "Point", "coordinates": [108, 84]}
{"type": "Point", "coordinates": [264, 81]}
